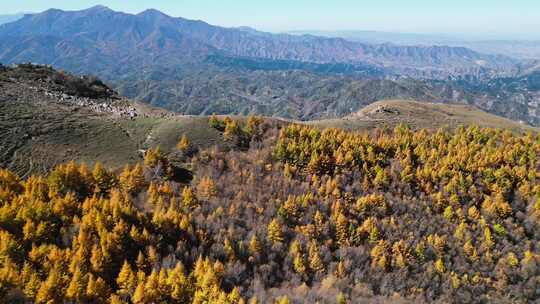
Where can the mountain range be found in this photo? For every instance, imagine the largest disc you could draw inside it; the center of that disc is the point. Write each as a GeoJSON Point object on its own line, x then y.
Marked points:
{"type": "Point", "coordinates": [196, 68]}
{"type": "Point", "coordinates": [513, 47]}
{"type": "Point", "coordinates": [115, 34]}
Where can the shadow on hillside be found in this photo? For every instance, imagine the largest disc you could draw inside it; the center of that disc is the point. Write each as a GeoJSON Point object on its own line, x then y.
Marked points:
{"type": "Point", "coordinates": [181, 175]}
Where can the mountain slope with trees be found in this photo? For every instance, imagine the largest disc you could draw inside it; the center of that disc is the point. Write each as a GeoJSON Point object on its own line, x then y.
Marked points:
{"type": "Point", "coordinates": [383, 216]}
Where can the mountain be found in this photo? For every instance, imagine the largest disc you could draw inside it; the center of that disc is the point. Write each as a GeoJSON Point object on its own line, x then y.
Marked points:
{"type": "Point", "coordinates": [305, 95]}
{"type": "Point", "coordinates": [259, 210]}
{"type": "Point", "coordinates": [80, 118]}
{"type": "Point", "coordinates": [10, 18]}
{"type": "Point", "coordinates": [101, 31]}
{"type": "Point", "coordinates": [522, 49]}
{"type": "Point", "coordinates": [380, 37]}
{"type": "Point", "coordinates": [195, 68]}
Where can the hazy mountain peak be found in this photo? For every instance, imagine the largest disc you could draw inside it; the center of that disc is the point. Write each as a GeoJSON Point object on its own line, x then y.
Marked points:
{"type": "Point", "coordinates": [99, 8]}
{"type": "Point", "coordinates": [247, 29]}
{"type": "Point", "coordinates": [130, 49]}
{"type": "Point", "coordinates": [153, 13]}
{"type": "Point", "coordinates": [49, 12]}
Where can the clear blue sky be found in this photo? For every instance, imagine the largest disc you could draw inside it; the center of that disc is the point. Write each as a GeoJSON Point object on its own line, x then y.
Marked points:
{"type": "Point", "coordinates": [503, 18]}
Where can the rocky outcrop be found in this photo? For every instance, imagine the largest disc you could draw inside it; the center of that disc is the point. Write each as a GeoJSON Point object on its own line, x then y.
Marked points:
{"type": "Point", "coordinates": [42, 84]}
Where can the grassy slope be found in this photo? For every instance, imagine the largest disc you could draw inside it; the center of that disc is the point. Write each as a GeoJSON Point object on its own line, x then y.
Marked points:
{"type": "Point", "coordinates": [34, 139]}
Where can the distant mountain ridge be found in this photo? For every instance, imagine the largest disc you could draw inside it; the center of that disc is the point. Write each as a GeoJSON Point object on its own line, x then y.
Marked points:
{"type": "Point", "coordinates": [153, 33]}
{"type": "Point", "coordinates": [196, 68]}
{"type": "Point", "coordinates": [10, 18]}
{"type": "Point", "coordinates": [525, 49]}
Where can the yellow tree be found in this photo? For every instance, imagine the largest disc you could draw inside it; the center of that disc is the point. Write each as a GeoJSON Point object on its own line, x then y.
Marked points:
{"type": "Point", "coordinates": [181, 289]}
{"type": "Point", "coordinates": [283, 300]}
{"type": "Point", "coordinates": [254, 246]}
{"type": "Point", "coordinates": [315, 262]}
{"type": "Point", "coordinates": [8, 279]}
{"type": "Point", "coordinates": [184, 144]}
{"type": "Point", "coordinates": [214, 122]}
{"type": "Point", "coordinates": [275, 232]}
{"type": "Point", "coordinates": [232, 130]}
{"type": "Point", "coordinates": [51, 291]}
{"type": "Point", "coordinates": [153, 157]}
{"type": "Point", "coordinates": [126, 281]}
{"type": "Point", "coordinates": [188, 198]}
{"type": "Point", "coordinates": [341, 298]}
{"type": "Point", "coordinates": [103, 179]}
{"type": "Point", "coordinates": [115, 299]}
{"type": "Point", "coordinates": [379, 255]}
{"type": "Point", "coordinates": [31, 281]}
{"type": "Point", "coordinates": [299, 264]}
{"type": "Point", "coordinates": [342, 229]}
{"type": "Point", "coordinates": [152, 292]}
{"type": "Point", "coordinates": [138, 296]}
{"type": "Point", "coordinates": [341, 270]}
{"type": "Point", "coordinates": [253, 126]}
{"type": "Point", "coordinates": [97, 260]}
{"type": "Point", "coordinates": [97, 291]}
{"type": "Point", "coordinates": [132, 180]}
{"type": "Point", "coordinates": [76, 290]}
{"type": "Point", "coordinates": [439, 266]}
{"type": "Point", "coordinates": [206, 188]}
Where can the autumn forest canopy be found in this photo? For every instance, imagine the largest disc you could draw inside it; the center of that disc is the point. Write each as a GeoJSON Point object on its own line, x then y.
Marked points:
{"type": "Point", "coordinates": [290, 214]}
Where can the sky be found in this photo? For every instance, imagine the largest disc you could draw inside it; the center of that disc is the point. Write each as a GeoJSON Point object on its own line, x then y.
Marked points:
{"type": "Point", "coordinates": [517, 19]}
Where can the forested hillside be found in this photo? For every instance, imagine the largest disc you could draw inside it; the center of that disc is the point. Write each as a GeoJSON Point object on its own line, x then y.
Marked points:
{"type": "Point", "coordinates": [289, 215]}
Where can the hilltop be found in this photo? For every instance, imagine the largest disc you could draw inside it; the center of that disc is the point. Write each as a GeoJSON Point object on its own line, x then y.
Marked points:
{"type": "Point", "coordinates": [49, 117]}
{"type": "Point", "coordinates": [420, 115]}
{"type": "Point", "coordinates": [10, 18]}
